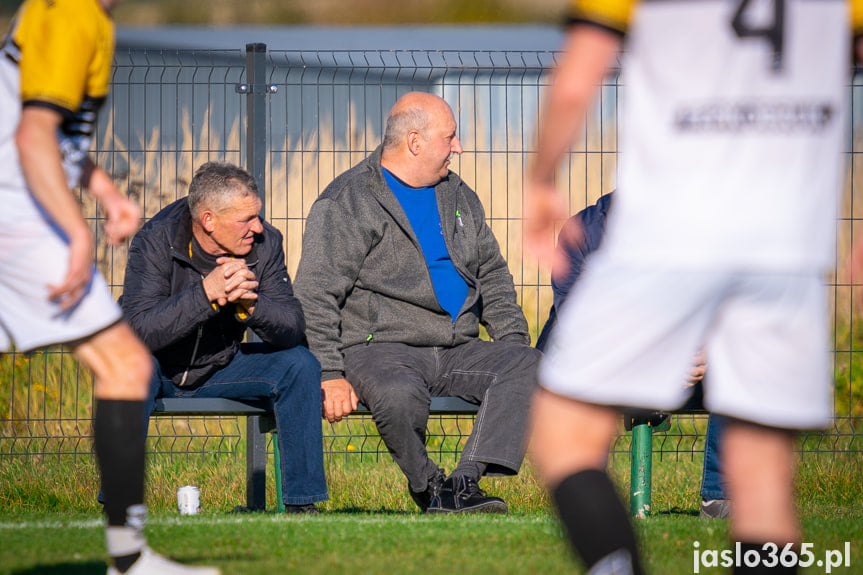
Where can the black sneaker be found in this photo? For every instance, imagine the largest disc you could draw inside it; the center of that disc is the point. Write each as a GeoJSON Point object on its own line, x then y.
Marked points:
{"type": "Point", "coordinates": [424, 498]}
{"type": "Point", "coordinates": [308, 509]}
{"type": "Point", "coordinates": [463, 495]}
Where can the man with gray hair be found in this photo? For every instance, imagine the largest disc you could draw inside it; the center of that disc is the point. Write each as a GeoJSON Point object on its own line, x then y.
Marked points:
{"type": "Point", "coordinates": [202, 271]}
{"type": "Point", "coordinates": [399, 269]}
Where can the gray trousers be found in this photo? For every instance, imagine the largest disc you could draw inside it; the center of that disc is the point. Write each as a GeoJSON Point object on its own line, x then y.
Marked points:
{"type": "Point", "coordinates": [397, 381]}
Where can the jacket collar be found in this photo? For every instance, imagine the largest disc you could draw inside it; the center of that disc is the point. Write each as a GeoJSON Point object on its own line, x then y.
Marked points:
{"type": "Point", "coordinates": [445, 193]}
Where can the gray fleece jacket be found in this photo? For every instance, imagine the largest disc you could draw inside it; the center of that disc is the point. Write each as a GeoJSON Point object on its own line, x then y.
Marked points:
{"type": "Point", "coordinates": [362, 278]}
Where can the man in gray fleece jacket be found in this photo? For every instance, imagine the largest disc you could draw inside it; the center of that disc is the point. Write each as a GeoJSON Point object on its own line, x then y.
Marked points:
{"type": "Point", "coordinates": [398, 271]}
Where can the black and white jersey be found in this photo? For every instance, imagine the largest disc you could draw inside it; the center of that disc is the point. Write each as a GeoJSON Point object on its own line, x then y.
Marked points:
{"type": "Point", "coordinates": [732, 118]}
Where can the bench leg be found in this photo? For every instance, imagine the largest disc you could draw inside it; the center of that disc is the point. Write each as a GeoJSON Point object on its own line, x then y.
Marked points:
{"type": "Point", "coordinates": [641, 453]}
{"type": "Point", "coordinates": [277, 473]}
{"type": "Point", "coordinates": [256, 465]}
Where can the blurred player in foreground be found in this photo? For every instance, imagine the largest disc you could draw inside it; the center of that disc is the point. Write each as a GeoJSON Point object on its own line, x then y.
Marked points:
{"type": "Point", "coordinates": [724, 223]}
{"type": "Point", "coordinates": [53, 79]}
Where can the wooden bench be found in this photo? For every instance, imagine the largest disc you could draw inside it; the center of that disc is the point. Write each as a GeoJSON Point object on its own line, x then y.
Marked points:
{"type": "Point", "coordinates": [260, 420]}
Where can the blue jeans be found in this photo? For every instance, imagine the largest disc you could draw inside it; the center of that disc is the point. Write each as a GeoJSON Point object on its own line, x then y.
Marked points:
{"type": "Point", "coordinates": [292, 378]}
{"type": "Point", "coordinates": [712, 482]}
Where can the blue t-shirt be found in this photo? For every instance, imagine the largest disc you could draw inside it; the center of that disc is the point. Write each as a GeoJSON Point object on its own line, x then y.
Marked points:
{"type": "Point", "coordinates": [420, 205]}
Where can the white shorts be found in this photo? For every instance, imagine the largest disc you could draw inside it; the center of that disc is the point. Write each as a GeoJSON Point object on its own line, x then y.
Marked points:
{"type": "Point", "coordinates": [627, 338]}
{"type": "Point", "coordinates": [34, 254]}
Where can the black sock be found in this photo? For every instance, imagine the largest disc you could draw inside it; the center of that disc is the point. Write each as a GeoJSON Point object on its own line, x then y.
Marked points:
{"type": "Point", "coordinates": [119, 443]}
{"type": "Point", "coordinates": [765, 556]}
{"type": "Point", "coordinates": [125, 562]}
{"type": "Point", "coordinates": [596, 521]}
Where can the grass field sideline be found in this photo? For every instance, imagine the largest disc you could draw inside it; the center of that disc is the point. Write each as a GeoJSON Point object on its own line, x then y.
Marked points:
{"type": "Point", "coordinates": [49, 521]}
{"type": "Point", "coordinates": [375, 543]}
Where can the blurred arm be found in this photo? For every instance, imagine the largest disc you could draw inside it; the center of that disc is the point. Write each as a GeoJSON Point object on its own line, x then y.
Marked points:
{"type": "Point", "coordinates": [588, 54]}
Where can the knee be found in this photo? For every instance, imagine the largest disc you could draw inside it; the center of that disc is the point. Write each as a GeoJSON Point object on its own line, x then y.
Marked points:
{"type": "Point", "coordinates": [137, 370]}
{"type": "Point", "coordinates": [531, 358]}
{"type": "Point", "coordinates": [142, 364]}
{"type": "Point", "coordinates": [568, 436]}
{"type": "Point", "coordinates": [127, 369]}
{"type": "Point", "coordinates": [307, 364]}
{"type": "Point", "coordinates": [527, 365]}
{"type": "Point", "coordinates": [398, 399]}
{"type": "Point", "coordinates": [131, 363]}
{"type": "Point", "coordinates": [302, 369]}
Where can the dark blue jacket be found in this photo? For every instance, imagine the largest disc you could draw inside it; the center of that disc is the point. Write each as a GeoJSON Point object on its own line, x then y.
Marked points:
{"type": "Point", "coordinates": [165, 303]}
{"type": "Point", "coordinates": [593, 227]}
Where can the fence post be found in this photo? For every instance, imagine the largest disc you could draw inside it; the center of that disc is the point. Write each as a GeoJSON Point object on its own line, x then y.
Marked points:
{"type": "Point", "coordinates": [256, 464]}
{"type": "Point", "coordinates": [256, 91]}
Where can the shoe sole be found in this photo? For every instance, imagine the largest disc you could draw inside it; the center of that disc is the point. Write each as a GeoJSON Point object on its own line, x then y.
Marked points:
{"type": "Point", "coordinates": [703, 515]}
{"type": "Point", "coordinates": [490, 507]}
{"type": "Point", "coordinates": [712, 513]}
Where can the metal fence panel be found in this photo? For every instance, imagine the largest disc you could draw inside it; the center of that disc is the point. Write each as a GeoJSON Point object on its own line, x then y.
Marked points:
{"type": "Point", "coordinates": [172, 110]}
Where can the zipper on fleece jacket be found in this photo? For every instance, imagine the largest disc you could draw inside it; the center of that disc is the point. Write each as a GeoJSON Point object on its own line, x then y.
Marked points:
{"type": "Point", "coordinates": [194, 354]}
{"type": "Point", "coordinates": [376, 312]}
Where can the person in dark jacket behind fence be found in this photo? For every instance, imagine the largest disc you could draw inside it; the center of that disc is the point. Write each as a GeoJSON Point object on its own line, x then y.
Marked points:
{"type": "Point", "coordinates": [202, 271]}
{"type": "Point", "coordinates": [399, 269]}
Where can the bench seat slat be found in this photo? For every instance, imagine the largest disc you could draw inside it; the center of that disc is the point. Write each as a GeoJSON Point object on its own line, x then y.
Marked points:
{"type": "Point", "coordinates": [222, 406]}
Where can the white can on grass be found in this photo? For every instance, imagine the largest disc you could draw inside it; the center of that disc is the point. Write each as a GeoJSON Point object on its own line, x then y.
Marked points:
{"type": "Point", "coordinates": [189, 500]}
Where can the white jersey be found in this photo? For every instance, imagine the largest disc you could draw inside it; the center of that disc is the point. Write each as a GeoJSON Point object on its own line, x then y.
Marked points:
{"type": "Point", "coordinates": [56, 55]}
{"type": "Point", "coordinates": [732, 117]}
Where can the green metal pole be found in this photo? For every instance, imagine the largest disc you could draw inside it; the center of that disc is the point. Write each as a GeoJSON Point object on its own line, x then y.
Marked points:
{"type": "Point", "coordinates": [641, 453]}
{"type": "Point", "coordinates": [277, 463]}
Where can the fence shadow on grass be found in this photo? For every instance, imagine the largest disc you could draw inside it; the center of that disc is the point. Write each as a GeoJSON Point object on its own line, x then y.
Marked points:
{"type": "Point", "coordinates": [353, 510]}
{"type": "Point", "coordinates": [675, 512]}
{"type": "Point", "coordinates": [84, 568]}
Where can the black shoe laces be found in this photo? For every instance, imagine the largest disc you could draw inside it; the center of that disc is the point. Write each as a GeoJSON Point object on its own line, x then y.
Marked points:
{"type": "Point", "coordinates": [469, 486]}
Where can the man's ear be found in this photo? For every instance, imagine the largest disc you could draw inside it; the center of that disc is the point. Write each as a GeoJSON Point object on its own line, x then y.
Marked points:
{"type": "Point", "coordinates": [208, 221]}
{"type": "Point", "coordinates": [414, 142]}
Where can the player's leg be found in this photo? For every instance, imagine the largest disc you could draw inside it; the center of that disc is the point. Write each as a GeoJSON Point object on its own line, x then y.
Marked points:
{"type": "Point", "coordinates": [32, 257]}
{"type": "Point", "coordinates": [568, 436]}
{"type": "Point", "coordinates": [760, 465]}
{"type": "Point", "coordinates": [121, 364]}
{"type": "Point", "coordinates": [770, 367]}
{"type": "Point", "coordinates": [569, 446]}
{"type": "Point", "coordinates": [122, 369]}
{"type": "Point", "coordinates": [626, 338]}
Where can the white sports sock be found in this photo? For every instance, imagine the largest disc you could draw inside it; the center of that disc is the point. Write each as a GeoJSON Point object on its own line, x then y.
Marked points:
{"type": "Point", "coordinates": [129, 538]}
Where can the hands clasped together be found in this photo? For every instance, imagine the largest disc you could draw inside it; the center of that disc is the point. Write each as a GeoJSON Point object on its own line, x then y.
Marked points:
{"type": "Point", "coordinates": [232, 281]}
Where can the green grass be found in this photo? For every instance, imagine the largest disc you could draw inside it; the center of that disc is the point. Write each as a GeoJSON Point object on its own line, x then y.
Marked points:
{"type": "Point", "coordinates": [50, 523]}
{"type": "Point", "coordinates": [385, 543]}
